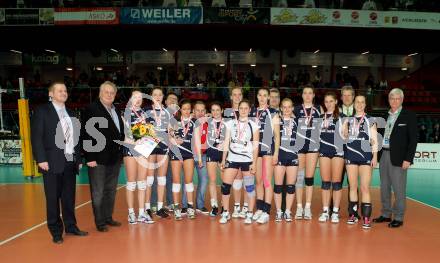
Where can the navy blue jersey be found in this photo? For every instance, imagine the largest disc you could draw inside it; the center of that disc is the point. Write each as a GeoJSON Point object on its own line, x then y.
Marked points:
{"type": "Point", "coordinates": [288, 129]}
{"type": "Point", "coordinates": [263, 118]}
{"type": "Point", "coordinates": [216, 134]}
{"type": "Point", "coordinates": [185, 130]}
{"type": "Point", "coordinates": [308, 127]}
{"type": "Point", "coordinates": [331, 142]}
{"type": "Point", "coordinates": [134, 117]}
{"type": "Point", "coordinates": [358, 147]}
{"type": "Point", "coordinates": [160, 118]}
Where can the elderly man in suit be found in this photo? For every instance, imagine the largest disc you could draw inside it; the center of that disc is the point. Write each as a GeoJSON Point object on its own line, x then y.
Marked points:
{"type": "Point", "coordinates": [55, 134]}
{"type": "Point", "coordinates": [103, 127]}
{"type": "Point", "coordinates": [399, 147]}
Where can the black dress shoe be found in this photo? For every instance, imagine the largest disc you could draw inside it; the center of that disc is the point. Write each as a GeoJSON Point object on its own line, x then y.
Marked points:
{"type": "Point", "coordinates": [77, 232]}
{"type": "Point", "coordinates": [395, 224]}
{"type": "Point", "coordinates": [113, 223]}
{"type": "Point", "coordinates": [382, 219]}
{"type": "Point", "coordinates": [102, 228]}
{"type": "Point", "coordinates": [57, 240]}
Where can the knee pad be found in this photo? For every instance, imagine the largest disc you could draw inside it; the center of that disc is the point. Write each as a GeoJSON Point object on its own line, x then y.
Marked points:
{"type": "Point", "coordinates": [290, 189]}
{"type": "Point", "coordinates": [226, 189]}
{"type": "Point", "coordinates": [337, 186]}
{"type": "Point", "coordinates": [300, 179]}
{"type": "Point", "coordinates": [142, 185]}
{"type": "Point", "coordinates": [366, 209]}
{"type": "Point", "coordinates": [150, 181]}
{"type": "Point", "coordinates": [237, 184]}
{"type": "Point", "coordinates": [161, 180]}
{"type": "Point", "coordinates": [189, 187]}
{"type": "Point", "coordinates": [277, 189]}
{"type": "Point", "coordinates": [249, 185]}
{"type": "Point", "coordinates": [176, 188]}
{"type": "Point", "coordinates": [325, 185]}
{"type": "Point", "coordinates": [309, 181]}
{"type": "Point", "coordinates": [131, 186]}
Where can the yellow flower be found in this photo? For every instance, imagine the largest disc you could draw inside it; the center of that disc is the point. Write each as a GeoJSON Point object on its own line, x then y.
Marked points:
{"type": "Point", "coordinates": [142, 130]}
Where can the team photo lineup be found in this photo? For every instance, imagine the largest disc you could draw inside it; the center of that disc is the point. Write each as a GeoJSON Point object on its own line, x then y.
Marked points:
{"type": "Point", "coordinates": [266, 153]}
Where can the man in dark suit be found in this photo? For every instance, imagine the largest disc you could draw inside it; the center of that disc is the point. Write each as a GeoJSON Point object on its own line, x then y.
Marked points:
{"type": "Point", "coordinates": [55, 134]}
{"type": "Point", "coordinates": [399, 147]}
{"type": "Point", "coordinates": [103, 154]}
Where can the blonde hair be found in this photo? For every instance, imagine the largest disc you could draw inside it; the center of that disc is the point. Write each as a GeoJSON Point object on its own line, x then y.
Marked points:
{"type": "Point", "coordinates": [108, 83]}
{"type": "Point", "coordinates": [287, 100]}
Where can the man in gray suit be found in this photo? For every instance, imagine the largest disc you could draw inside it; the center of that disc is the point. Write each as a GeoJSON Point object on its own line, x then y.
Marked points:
{"type": "Point", "coordinates": [399, 147]}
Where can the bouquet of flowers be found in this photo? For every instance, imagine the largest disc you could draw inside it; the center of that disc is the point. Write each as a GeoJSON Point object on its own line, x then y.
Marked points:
{"type": "Point", "coordinates": [145, 138]}
{"type": "Point", "coordinates": [142, 130]}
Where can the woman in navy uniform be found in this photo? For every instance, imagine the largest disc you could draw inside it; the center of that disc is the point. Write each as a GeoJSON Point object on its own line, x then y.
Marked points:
{"type": "Point", "coordinates": [181, 137]}
{"type": "Point", "coordinates": [133, 161]}
{"type": "Point", "coordinates": [307, 146]}
{"type": "Point", "coordinates": [158, 160]}
{"type": "Point", "coordinates": [331, 158]}
{"type": "Point", "coordinates": [360, 159]}
{"type": "Point", "coordinates": [268, 121]}
{"type": "Point", "coordinates": [287, 165]}
{"type": "Point", "coordinates": [214, 153]}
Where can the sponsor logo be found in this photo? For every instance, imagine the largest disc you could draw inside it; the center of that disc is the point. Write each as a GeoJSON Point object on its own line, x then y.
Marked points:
{"type": "Point", "coordinates": [285, 16]}
{"type": "Point", "coordinates": [426, 157]}
{"type": "Point", "coordinates": [45, 59]}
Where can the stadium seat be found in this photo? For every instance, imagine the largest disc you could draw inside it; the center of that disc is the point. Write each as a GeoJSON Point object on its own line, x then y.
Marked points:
{"type": "Point", "coordinates": [218, 3]}
{"type": "Point", "coordinates": [168, 3]}
{"type": "Point", "coordinates": [245, 3]}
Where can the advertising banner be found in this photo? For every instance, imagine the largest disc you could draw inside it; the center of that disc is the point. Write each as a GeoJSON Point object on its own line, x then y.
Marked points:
{"type": "Point", "coordinates": [162, 15]}
{"type": "Point", "coordinates": [220, 15]}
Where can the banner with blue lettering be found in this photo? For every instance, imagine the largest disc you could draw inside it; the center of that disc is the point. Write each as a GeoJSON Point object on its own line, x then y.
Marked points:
{"type": "Point", "coordinates": [162, 15]}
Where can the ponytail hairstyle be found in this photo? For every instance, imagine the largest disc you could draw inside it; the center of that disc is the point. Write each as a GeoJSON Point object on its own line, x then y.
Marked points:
{"type": "Point", "coordinates": [336, 113]}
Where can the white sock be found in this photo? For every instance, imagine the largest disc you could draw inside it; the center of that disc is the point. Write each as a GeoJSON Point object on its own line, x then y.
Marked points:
{"type": "Point", "coordinates": [335, 209]}
{"type": "Point", "coordinates": [325, 209]}
{"type": "Point", "coordinates": [237, 205]}
{"type": "Point", "coordinates": [308, 205]}
{"type": "Point", "coordinates": [299, 206]}
{"type": "Point", "coordinates": [279, 211]}
{"type": "Point", "coordinates": [245, 204]}
{"type": "Point", "coordinates": [214, 203]}
{"type": "Point", "coordinates": [147, 206]}
{"type": "Point", "coordinates": [141, 211]}
{"type": "Point", "coordinates": [131, 210]}
{"type": "Point", "coordinates": [159, 205]}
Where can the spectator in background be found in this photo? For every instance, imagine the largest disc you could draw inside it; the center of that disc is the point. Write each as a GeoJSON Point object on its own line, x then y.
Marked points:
{"type": "Point", "coordinates": [369, 5]}
{"type": "Point", "coordinates": [346, 78]}
{"type": "Point", "coordinates": [317, 81]}
{"type": "Point", "coordinates": [423, 133]}
{"type": "Point", "coordinates": [369, 83]}
{"type": "Point", "coordinates": [306, 77]}
{"type": "Point", "coordinates": [435, 135]}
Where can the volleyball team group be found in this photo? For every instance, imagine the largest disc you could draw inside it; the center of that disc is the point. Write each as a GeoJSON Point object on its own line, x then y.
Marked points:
{"type": "Point", "coordinates": [267, 151]}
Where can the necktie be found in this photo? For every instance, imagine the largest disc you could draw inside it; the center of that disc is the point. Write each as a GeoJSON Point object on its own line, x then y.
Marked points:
{"type": "Point", "coordinates": [65, 126]}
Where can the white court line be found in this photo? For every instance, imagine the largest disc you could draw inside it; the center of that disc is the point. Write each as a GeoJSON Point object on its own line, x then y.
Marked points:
{"type": "Point", "coordinates": [44, 223]}
{"type": "Point", "coordinates": [420, 202]}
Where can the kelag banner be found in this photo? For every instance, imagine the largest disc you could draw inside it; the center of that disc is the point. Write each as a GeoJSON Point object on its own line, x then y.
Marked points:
{"type": "Point", "coordinates": [26, 16]}
{"type": "Point", "coordinates": [165, 15]}
{"type": "Point", "coordinates": [43, 59]}
{"type": "Point", "coordinates": [220, 15]}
